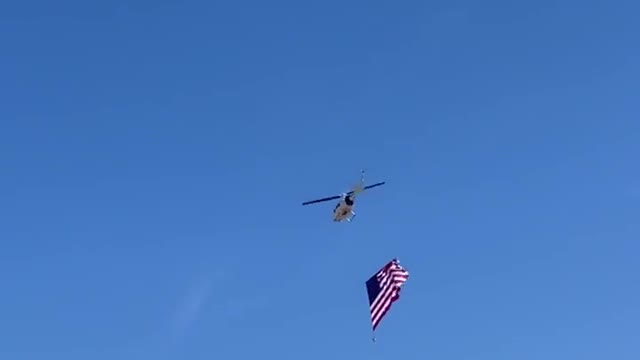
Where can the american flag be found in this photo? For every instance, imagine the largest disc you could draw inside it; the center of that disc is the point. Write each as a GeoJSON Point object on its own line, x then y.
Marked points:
{"type": "Point", "coordinates": [383, 289]}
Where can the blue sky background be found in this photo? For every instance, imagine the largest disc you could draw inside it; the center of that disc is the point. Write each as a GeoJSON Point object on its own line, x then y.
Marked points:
{"type": "Point", "coordinates": [154, 155]}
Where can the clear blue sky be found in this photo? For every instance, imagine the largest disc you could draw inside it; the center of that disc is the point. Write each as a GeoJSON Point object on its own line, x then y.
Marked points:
{"type": "Point", "coordinates": [154, 156]}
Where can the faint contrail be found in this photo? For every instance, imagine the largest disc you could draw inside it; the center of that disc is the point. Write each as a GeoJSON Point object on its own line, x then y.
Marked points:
{"type": "Point", "coordinates": [191, 306]}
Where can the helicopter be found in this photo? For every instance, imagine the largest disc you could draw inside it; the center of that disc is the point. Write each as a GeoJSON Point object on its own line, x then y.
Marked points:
{"type": "Point", "coordinates": [343, 211]}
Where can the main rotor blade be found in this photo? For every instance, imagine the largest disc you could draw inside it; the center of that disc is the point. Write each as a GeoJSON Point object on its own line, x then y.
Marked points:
{"type": "Point", "coordinates": [368, 187]}
{"type": "Point", "coordinates": [374, 185]}
{"type": "Point", "coordinates": [321, 200]}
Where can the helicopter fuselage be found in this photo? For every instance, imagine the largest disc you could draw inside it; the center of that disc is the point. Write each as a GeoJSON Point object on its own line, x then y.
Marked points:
{"type": "Point", "coordinates": [344, 209]}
